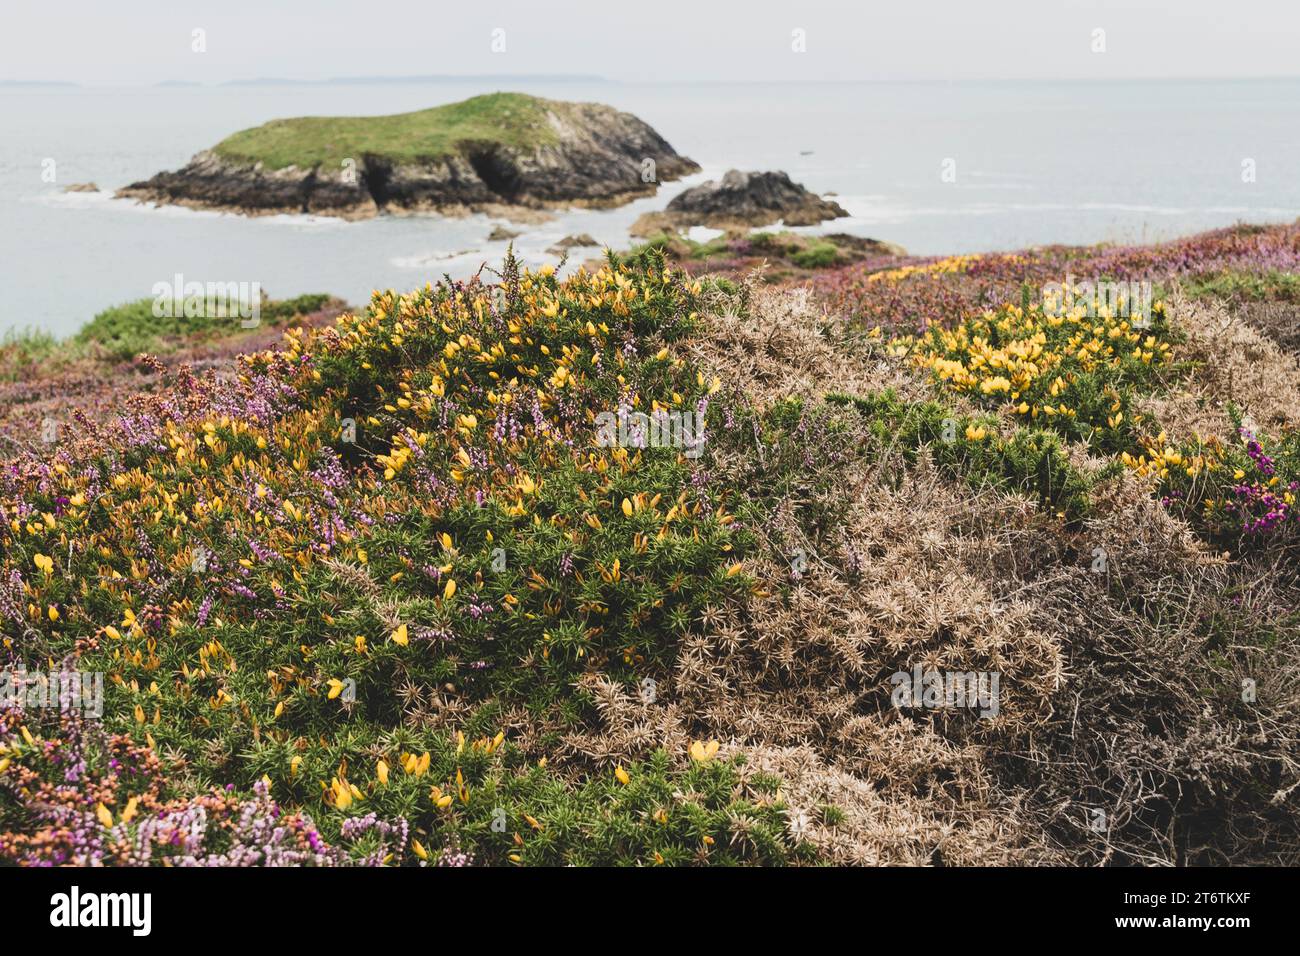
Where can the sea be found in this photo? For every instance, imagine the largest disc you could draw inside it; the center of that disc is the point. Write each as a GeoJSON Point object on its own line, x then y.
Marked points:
{"type": "Point", "coordinates": [936, 167]}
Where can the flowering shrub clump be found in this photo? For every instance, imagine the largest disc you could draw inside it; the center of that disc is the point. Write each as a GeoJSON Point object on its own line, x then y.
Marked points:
{"type": "Point", "coordinates": [904, 297]}
{"type": "Point", "coordinates": [1240, 495]}
{"type": "Point", "coordinates": [97, 799]}
{"type": "Point", "coordinates": [1029, 460]}
{"type": "Point", "coordinates": [1081, 377]}
{"type": "Point", "coordinates": [506, 574]}
{"type": "Point", "coordinates": [1072, 373]}
{"type": "Point", "coordinates": [991, 331]}
{"type": "Point", "coordinates": [912, 294]}
{"type": "Point", "coordinates": [320, 583]}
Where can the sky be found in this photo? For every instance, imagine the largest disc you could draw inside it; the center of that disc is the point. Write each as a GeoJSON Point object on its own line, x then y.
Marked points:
{"type": "Point", "coordinates": [129, 42]}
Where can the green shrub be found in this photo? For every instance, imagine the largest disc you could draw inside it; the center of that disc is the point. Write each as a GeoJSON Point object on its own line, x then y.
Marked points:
{"type": "Point", "coordinates": [1031, 460]}
{"type": "Point", "coordinates": [820, 255]}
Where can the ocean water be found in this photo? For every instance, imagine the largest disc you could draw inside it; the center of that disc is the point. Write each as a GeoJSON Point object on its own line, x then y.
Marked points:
{"type": "Point", "coordinates": [1034, 163]}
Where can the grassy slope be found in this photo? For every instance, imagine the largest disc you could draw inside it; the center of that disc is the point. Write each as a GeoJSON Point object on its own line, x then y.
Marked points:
{"type": "Point", "coordinates": [121, 332]}
{"type": "Point", "coordinates": [511, 119]}
{"type": "Point", "coordinates": [131, 328]}
{"type": "Point", "coordinates": [475, 564]}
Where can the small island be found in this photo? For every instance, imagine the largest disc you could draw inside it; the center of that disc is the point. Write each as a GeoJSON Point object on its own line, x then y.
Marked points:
{"type": "Point", "coordinates": [739, 201]}
{"type": "Point", "coordinates": [504, 153]}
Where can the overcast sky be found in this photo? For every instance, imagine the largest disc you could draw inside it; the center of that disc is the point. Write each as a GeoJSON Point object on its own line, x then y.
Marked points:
{"type": "Point", "coordinates": [146, 41]}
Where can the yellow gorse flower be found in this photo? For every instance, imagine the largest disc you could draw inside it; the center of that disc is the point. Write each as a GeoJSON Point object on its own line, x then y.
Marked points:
{"type": "Point", "coordinates": [702, 751]}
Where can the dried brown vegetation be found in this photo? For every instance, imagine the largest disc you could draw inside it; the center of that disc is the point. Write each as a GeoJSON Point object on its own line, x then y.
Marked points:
{"type": "Point", "coordinates": [1122, 736]}
{"type": "Point", "coordinates": [1231, 363]}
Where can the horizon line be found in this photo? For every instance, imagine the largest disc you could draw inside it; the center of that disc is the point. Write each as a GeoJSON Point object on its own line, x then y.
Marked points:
{"type": "Point", "coordinates": [599, 78]}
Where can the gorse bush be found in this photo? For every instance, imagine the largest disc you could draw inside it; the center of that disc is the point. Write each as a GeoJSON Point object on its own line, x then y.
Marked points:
{"type": "Point", "coordinates": [1239, 495]}
{"type": "Point", "coordinates": [1073, 373]}
{"type": "Point", "coordinates": [1030, 460]}
{"type": "Point", "coordinates": [1080, 377]}
{"type": "Point", "coordinates": [397, 516]}
{"type": "Point", "coordinates": [393, 593]}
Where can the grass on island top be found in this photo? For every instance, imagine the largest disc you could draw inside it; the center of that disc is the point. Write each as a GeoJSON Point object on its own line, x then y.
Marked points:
{"type": "Point", "coordinates": [511, 119]}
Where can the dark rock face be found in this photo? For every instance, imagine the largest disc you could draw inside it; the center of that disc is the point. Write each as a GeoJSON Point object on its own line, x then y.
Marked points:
{"type": "Point", "coordinates": [754, 199]}
{"type": "Point", "coordinates": [602, 157]}
{"type": "Point", "coordinates": [208, 181]}
{"type": "Point", "coordinates": [580, 241]}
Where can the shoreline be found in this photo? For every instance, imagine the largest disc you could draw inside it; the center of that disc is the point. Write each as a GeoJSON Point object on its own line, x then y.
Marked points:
{"type": "Point", "coordinates": [533, 214]}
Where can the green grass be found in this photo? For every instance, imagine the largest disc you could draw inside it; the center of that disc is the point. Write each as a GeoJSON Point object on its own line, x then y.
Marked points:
{"type": "Point", "coordinates": [819, 255]}
{"type": "Point", "coordinates": [677, 248]}
{"type": "Point", "coordinates": [805, 252]}
{"type": "Point", "coordinates": [131, 328]}
{"type": "Point", "coordinates": [1270, 286]}
{"type": "Point", "coordinates": [510, 119]}
{"type": "Point", "coordinates": [123, 331]}
{"type": "Point", "coordinates": [23, 348]}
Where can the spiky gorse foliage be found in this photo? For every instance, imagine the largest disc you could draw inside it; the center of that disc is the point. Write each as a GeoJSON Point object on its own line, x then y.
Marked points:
{"type": "Point", "coordinates": [1076, 371]}
{"type": "Point", "coordinates": [1082, 373]}
{"type": "Point", "coordinates": [395, 589]}
{"type": "Point", "coordinates": [1030, 460]}
{"type": "Point", "coordinates": [275, 595]}
{"type": "Point", "coordinates": [515, 529]}
{"type": "Point", "coordinates": [1127, 648]}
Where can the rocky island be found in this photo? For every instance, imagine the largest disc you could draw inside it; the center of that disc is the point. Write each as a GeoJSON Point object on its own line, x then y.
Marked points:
{"type": "Point", "coordinates": [738, 201]}
{"type": "Point", "coordinates": [505, 153]}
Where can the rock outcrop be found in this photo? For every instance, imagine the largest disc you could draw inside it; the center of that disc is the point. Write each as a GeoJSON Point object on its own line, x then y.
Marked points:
{"type": "Point", "coordinates": [581, 154]}
{"type": "Point", "coordinates": [583, 241]}
{"type": "Point", "coordinates": [741, 200]}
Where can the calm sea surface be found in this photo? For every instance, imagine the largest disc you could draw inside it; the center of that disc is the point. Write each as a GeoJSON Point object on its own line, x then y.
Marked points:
{"type": "Point", "coordinates": [1034, 163]}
